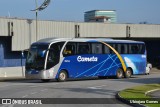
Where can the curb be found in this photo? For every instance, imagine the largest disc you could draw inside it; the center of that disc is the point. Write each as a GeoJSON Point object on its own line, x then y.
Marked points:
{"type": "Point", "coordinates": [128, 102]}
{"type": "Point", "coordinates": [3, 79]}
{"type": "Point", "coordinates": [151, 91]}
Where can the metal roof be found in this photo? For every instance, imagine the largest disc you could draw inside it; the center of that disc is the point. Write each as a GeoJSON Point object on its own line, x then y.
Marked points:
{"type": "Point", "coordinates": [98, 10]}
{"type": "Point", "coordinates": [50, 40]}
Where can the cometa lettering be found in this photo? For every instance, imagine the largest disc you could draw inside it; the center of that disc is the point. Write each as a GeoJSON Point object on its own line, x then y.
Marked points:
{"type": "Point", "coordinates": [87, 59]}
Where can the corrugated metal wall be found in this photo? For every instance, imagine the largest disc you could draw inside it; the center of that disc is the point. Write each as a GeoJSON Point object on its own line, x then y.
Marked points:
{"type": "Point", "coordinates": [24, 31]}
{"type": "Point", "coordinates": [144, 31]}
{"type": "Point", "coordinates": [20, 38]}
{"type": "Point", "coordinates": [102, 30]}
{"type": "Point", "coordinates": [47, 29]}
{"type": "Point", "coordinates": [4, 26]}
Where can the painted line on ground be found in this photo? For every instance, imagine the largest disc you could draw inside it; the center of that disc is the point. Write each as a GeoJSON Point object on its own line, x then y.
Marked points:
{"type": "Point", "coordinates": [24, 96]}
{"type": "Point", "coordinates": [151, 91]}
{"type": "Point", "coordinates": [33, 86]}
{"type": "Point", "coordinates": [34, 93]}
{"type": "Point", "coordinates": [97, 87]}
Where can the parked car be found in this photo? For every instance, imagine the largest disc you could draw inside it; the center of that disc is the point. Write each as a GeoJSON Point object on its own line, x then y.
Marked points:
{"type": "Point", "coordinates": [148, 68]}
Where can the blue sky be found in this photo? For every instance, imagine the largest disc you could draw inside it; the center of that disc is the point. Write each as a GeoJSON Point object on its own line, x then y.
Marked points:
{"type": "Point", "coordinates": [128, 11]}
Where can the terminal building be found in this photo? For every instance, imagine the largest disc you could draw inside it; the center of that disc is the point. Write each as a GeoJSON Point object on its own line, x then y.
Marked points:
{"type": "Point", "coordinates": [17, 34]}
{"type": "Point", "coordinates": [108, 16]}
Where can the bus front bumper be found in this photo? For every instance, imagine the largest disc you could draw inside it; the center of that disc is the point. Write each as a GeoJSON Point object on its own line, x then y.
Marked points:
{"type": "Point", "coordinates": [39, 75]}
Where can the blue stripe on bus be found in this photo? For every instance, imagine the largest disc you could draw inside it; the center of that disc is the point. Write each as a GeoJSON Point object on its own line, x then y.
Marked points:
{"type": "Point", "coordinates": [106, 65]}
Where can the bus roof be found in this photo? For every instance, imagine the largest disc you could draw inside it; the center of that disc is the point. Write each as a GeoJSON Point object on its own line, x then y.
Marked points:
{"type": "Point", "coordinates": [50, 40]}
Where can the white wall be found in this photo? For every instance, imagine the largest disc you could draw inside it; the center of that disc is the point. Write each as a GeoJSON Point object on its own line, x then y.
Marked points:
{"type": "Point", "coordinates": [12, 72]}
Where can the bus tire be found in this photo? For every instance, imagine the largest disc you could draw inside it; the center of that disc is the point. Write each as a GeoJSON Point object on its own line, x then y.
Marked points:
{"type": "Point", "coordinates": [62, 76]}
{"type": "Point", "coordinates": [45, 80]}
{"type": "Point", "coordinates": [128, 73]}
{"type": "Point", "coordinates": [119, 73]}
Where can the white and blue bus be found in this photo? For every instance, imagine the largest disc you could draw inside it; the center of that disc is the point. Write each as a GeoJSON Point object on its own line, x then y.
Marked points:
{"type": "Point", "coordinates": [64, 58]}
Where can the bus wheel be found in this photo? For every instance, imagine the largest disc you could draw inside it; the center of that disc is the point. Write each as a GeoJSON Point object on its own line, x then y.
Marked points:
{"type": "Point", "coordinates": [45, 80]}
{"type": "Point", "coordinates": [119, 73]}
{"type": "Point", "coordinates": [62, 76]}
{"type": "Point", "coordinates": [128, 73]}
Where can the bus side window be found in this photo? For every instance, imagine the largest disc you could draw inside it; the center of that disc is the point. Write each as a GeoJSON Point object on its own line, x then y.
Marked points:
{"type": "Point", "coordinates": [113, 46]}
{"type": "Point", "coordinates": [106, 49]}
{"type": "Point", "coordinates": [122, 48]}
{"type": "Point", "coordinates": [57, 46]}
{"type": "Point", "coordinates": [119, 48]}
{"type": "Point", "coordinates": [133, 49]}
{"type": "Point", "coordinates": [96, 48]}
{"type": "Point", "coordinates": [142, 48]}
{"type": "Point", "coordinates": [69, 49]}
{"type": "Point", "coordinates": [83, 48]}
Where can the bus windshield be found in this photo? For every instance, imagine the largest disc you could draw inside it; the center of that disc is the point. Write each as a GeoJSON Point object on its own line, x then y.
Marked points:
{"type": "Point", "coordinates": [36, 57]}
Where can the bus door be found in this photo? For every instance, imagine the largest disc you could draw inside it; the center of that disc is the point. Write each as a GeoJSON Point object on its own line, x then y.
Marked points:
{"type": "Point", "coordinates": [54, 54]}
